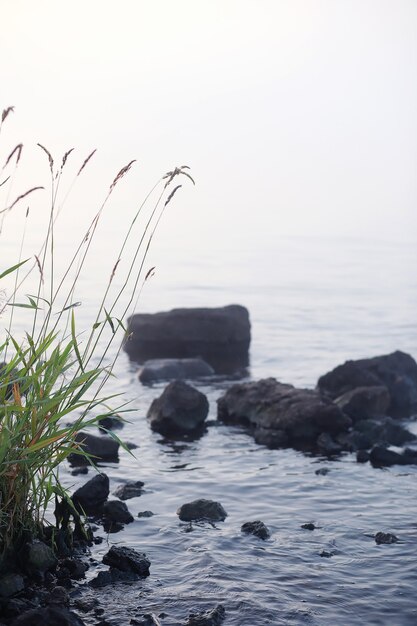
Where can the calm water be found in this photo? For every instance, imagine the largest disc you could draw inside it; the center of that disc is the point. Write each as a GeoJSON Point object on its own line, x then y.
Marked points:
{"type": "Point", "coordinates": [313, 304]}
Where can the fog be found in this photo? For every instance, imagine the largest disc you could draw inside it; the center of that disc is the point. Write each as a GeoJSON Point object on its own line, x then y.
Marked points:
{"type": "Point", "coordinates": [297, 117]}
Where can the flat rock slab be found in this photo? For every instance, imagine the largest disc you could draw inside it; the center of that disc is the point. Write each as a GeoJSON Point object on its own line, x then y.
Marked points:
{"type": "Point", "coordinates": [174, 369]}
{"type": "Point", "coordinates": [396, 371]}
{"type": "Point", "coordinates": [220, 336]}
{"type": "Point", "coordinates": [181, 409]}
{"type": "Point", "coordinates": [202, 510]}
{"type": "Point", "coordinates": [280, 415]}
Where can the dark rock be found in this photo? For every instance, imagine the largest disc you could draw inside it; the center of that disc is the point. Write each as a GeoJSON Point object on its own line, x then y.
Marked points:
{"type": "Point", "coordinates": [383, 431]}
{"type": "Point", "coordinates": [10, 584]}
{"type": "Point", "coordinates": [100, 448]}
{"type": "Point", "coordinates": [85, 604]}
{"type": "Point", "coordinates": [180, 409]}
{"type": "Point", "coordinates": [59, 595]}
{"type": "Point", "coordinates": [92, 496]}
{"type": "Point", "coordinates": [75, 568]}
{"type": "Point", "coordinates": [322, 471]}
{"type": "Point", "coordinates": [116, 511]}
{"type": "Point", "coordinates": [127, 559]}
{"type": "Point", "coordinates": [38, 557]}
{"type": "Point", "coordinates": [148, 619]}
{"type": "Point", "coordinates": [380, 456]}
{"type": "Point", "coordinates": [410, 456]}
{"type": "Point", "coordinates": [326, 554]}
{"type": "Point", "coordinates": [49, 616]}
{"type": "Point", "coordinates": [396, 371]}
{"type": "Point", "coordinates": [17, 606]}
{"type": "Point", "coordinates": [326, 445]}
{"type": "Point", "coordinates": [362, 456]}
{"type": "Point", "coordinates": [80, 470]}
{"type": "Point", "coordinates": [220, 336]}
{"type": "Point", "coordinates": [281, 415]}
{"type": "Point", "coordinates": [110, 423]}
{"type": "Point", "coordinates": [365, 402]}
{"type": "Point", "coordinates": [256, 528]}
{"type": "Point", "coordinates": [102, 579]}
{"type": "Point", "coordinates": [308, 526]}
{"type": "Point", "coordinates": [381, 538]}
{"type": "Point", "coordinates": [145, 514]}
{"type": "Point", "coordinates": [174, 369]}
{"type": "Point", "coordinates": [214, 617]}
{"type": "Point", "coordinates": [131, 489]}
{"type": "Point", "coordinates": [202, 510]}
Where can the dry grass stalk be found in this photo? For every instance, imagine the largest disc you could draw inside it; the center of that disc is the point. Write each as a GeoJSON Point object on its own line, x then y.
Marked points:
{"type": "Point", "coordinates": [49, 155]}
{"type": "Point", "coordinates": [23, 195]}
{"type": "Point", "coordinates": [17, 149]}
{"type": "Point", "coordinates": [122, 173]}
{"type": "Point", "coordinates": [86, 161]}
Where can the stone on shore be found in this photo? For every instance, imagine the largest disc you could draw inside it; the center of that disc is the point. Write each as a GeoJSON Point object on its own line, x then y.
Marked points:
{"type": "Point", "coordinates": [202, 510]}
{"type": "Point", "coordinates": [220, 336]}
{"type": "Point", "coordinates": [156, 370]}
{"type": "Point", "coordinates": [280, 415]}
{"type": "Point", "coordinates": [127, 560]}
{"type": "Point", "coordinates": [397, 372]}
{"type": "Point", "coordinates": [181, 409]}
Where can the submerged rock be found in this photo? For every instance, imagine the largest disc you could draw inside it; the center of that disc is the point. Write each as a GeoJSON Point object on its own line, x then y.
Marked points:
{"type": "Point", "coordinates": [174, 369]}
{"type": "Point", "coordinates": [110, 423]}
{"type": "Point", "coordinates": [127, 560]}
{"type": "Point", "coordinates": [397, 372]}
{"type": "Point", "coordinates": [131, 489]}
{"type": "Point", "coordinates": [202, 510]}
{"type": "Point", "coordinates": [91, 497]}
{"type": "Point", "coordinates": [181, 409]}
{"type": "Point", "coordinates": [213, 617]}
{"type": "Point", "coordinates": [256, 528]}
{"type": "Point", "coordinates": [220, 336]}
{"type": "Point", "coordinates": [381, 538]}
{"type": "Point", "coordinates": [308, 526]}
{"type": "Point", "coordinates": [145, 514]}
{"type": "Point", "coordinates": [101, 448]}
{"type": "Point", "coordinates": [280, 415]}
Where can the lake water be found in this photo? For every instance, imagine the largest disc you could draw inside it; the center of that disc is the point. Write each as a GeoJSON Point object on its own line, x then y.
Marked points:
{"type": "Point", "coordinates": [313, 304]}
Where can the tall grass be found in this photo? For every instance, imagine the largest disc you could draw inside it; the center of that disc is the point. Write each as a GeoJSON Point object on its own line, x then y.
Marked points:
{"type": "Point", "coordinates": [52, 384]}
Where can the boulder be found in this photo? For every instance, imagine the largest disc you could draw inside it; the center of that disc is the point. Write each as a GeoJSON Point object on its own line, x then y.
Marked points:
{"type": "Point", "coordinates": [202, 510]}
{"type": "Point", "coordinates": [280, 415]}
{"type": "Point", "coordinates": [365, 402]}
{"type": "Point", "coordinates": [181, 409]}
{"type": "Point", "coordinates": [396, 371]}
{"type": "Point", "coordinates": [11, 584]}
{"type": "Point", "coordinates": [380, 456]}
{"type": "Point", "coordinates": [127, 560]}
{"type": "Point", "coordinates": [174, 369]}
{"type": "Point", "coordinates": [116, 511]}
{"type": "Point", "coordinates": [257, 528]}
{"type": "Point", "coordinates": [38, 557]}
{"type": "Point", "coordinates": [91, 497]}
{"type": "Point", "coordinates": [383, 431]}
{"type": "Point", "coordinates": [100, 448]}
{"type": "Point", "coordinates": [220, 336]}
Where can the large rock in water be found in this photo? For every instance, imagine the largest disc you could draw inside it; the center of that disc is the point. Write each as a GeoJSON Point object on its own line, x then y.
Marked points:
{"type": "Point", "coordinates": [174, 369]}
{"type": "Point", "coordinates": [220, 336]}
{"type": "Point", "coordinates": [181, 409]}
{"type": "Point", "coordinates": [281, 415]}
{"type": "Point", "coordinates": [396, 371]}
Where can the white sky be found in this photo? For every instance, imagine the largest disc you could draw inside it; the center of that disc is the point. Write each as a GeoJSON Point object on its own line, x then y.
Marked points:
{"type": "Point", "coordinates": [296, 116]}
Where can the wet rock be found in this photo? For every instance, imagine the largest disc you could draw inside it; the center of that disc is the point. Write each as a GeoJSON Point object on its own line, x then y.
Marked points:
{"type": "Point", "coordinates": [396, 371]}
{"type": "Point", "coordinates": [381, 538]}
{"type": "Point", "coordinates": [327, 445]}
{"type": "Point", "coordinates": [365, 402]}
{"type": "Point", "coordinates": [380, 456]}
{"type": "Point", "coordinates": [101, 448]}
{"type": "Point", "coordinates": [202, 510]}
{"type": "Point", "coordinates": [85, 604]}
{"type": "Point", "coordinates": [213, 617]}
{"type": "Point", "coordinates": [308, 526]}
{"type": "Point", "coordinates": [110, 423]}
{"type": "Point", "coordinates": [362, 456]}
{"type": "Point", "coordinates": [10, 584]}
{"type": "Point", "coordinates": [145, 514]}
{"type": "Point", "coordinates": [281, 415]}
{"type": "Point", "coordinates": [127, 559]}
{"type": "Point", "coordinates": [79, 470]}
{"type": "Point", "coordinates": [131, 489]}
{"type": "Point", "coordinates": [59, 595]}
{"type": "Point", "coordinates": [92, 496]}
{"type": "Point", "coordinates": [322, 471]}
{"type": "Point", "coordinates": [256, 528]}
{"type": "Point", "coordinates": [383, 431]}
{"type": "Point", "coordinates": [38, 557]}
{"type": "Point", "coordinates": [181, 409]}
{"type": "Point", "coordinates": [116, 511]}
{"type": "Point", "coordinates": [174, 369]}
{"type": "Point", "coordinates": [113, 575]}
{"type": "Point", "coordinates": [326, 554]}
{"type": "Point", "coordinates": [220, 336]}
{"type": "Point", "coordinates": [75, 567]}
{"type": "Point", "coordinates": [148, 619]}
{"type": "Point", "coordinates": [49, 616]}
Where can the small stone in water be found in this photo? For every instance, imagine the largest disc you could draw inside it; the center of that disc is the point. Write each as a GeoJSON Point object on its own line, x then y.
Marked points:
{"type": "Point", "coordinates": [322, 471]}
{"type": "Point", "coordinates": [381, 537]}
{"type": "Point", "coordinates": [256, 528]}
{"type": "Point", "coordinates": [145, 514]}
{"type": "Point", "coordinates": [308, 526]}
{"type": "Point", "coordinates": [326, 554]}
{"type": "Point", "coordinates": [209, 618]}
